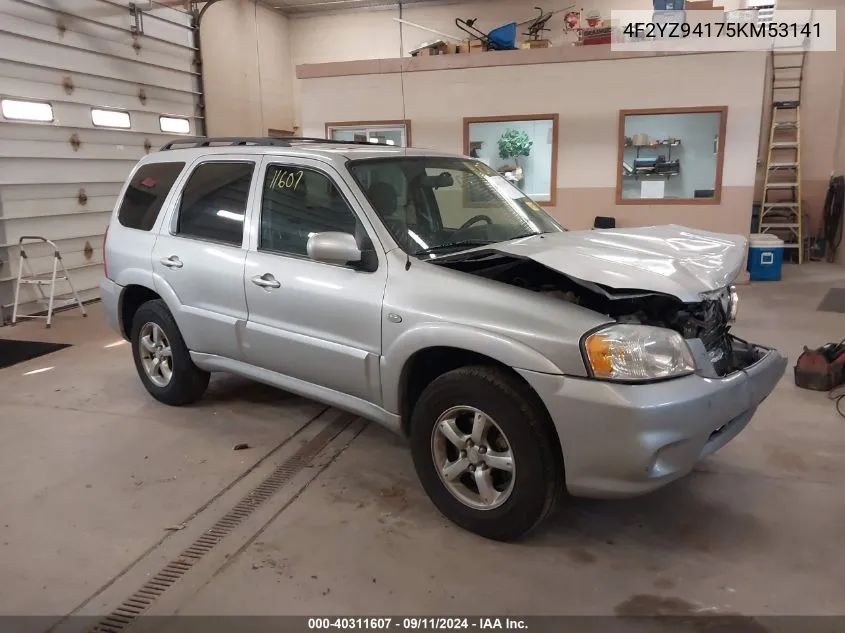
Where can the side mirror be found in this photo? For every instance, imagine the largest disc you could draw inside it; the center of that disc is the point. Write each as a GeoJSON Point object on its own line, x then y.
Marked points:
{"type": "Point", "coordinates": [333, 248]}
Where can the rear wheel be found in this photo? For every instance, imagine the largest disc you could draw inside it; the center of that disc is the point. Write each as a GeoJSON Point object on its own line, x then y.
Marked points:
{"type": "Point", "coordinates": [162, 359]}
{"type": "Point", "coordinates": [483, 451]}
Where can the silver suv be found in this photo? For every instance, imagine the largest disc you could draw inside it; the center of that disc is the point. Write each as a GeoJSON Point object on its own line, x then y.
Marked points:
{"type": "Point", "coordinates": [426, 292]}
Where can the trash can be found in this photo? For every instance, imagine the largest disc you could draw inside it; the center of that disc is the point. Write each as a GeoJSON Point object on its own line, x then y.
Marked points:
{"type": "Point", "coordinates": [765, 257]}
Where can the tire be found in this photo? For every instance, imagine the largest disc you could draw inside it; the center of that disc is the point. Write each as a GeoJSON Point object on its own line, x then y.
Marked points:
{"type": "Point", "coordinates": [526, 497]}
{"type": "Point", "coordinates": [187, 383]}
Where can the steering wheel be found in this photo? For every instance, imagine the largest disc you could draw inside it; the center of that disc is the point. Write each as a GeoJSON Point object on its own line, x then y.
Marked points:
{"type": "Point", "coordinates": [474, 219]}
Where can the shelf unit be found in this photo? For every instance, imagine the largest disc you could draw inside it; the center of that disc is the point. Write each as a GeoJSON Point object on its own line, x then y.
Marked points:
{"type": "Point", "coordinates": [637, 174]}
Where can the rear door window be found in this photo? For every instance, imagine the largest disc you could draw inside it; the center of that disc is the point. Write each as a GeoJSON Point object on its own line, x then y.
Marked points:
{"type": "Point", "coordinates": [214, 202]}
{"type": "Point", "coordinates": [146, 193]}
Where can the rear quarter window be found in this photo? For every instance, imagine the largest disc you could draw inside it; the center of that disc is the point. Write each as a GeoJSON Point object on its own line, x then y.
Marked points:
{"type": "Point", "coordinates": [146, 193]}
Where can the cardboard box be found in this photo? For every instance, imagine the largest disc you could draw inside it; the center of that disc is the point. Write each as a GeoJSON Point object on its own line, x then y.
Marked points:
{"type": "Point", "coordinates": [527, 44]}
{"type": "Point", "coordinates": [434, 48]}
{"type": "Point", "coordinates": [445, 49]}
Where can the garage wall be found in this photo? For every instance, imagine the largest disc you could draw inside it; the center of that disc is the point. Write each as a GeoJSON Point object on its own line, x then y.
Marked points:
{"type": "Point", "coordinates": [337, 37]}
{"type": "Point", "coordinates": [60, 179]}
{"type": "Point", "coordinates": [247, 69]}
{"type": "Point", "coordinates": [436, 102]}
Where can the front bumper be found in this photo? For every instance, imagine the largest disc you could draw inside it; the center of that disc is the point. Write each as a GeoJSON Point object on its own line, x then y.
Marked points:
{"type": "Point", "coordinates": [625, 440]}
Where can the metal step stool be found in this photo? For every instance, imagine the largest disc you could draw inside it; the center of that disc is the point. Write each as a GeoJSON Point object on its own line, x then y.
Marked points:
{"type": "Point", "coordinates": [59, 274]}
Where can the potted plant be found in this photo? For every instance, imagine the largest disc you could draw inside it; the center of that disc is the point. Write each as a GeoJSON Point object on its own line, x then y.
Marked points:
{"type": "Point", "coordinates": [515, 144]}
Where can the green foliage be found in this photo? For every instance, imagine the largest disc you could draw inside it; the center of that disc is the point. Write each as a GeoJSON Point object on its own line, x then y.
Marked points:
{"type": "Point", "coordinates": [514, 143]}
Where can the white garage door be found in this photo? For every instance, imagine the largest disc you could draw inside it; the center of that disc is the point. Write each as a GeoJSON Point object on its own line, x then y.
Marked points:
{"type": "Point", "coordinates": [87, 87]}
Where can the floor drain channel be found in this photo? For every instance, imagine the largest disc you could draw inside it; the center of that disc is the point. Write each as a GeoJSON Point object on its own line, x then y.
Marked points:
{"type": "Point", "coordinates": [150, 591]}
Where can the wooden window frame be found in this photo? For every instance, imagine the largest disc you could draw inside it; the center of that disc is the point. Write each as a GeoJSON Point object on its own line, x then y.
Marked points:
{"type": "Point", "coordinates": [720, 156]}
{"type": "Point", "coordinates": [396, 122]}
{"type": "Point", "coordinates": [554, 118]}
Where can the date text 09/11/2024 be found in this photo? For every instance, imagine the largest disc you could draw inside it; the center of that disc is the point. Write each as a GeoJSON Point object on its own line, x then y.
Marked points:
{"type": "Point", "coordinates": [722, 29]}
{"type": "Point", "coordinates": [417, 624]}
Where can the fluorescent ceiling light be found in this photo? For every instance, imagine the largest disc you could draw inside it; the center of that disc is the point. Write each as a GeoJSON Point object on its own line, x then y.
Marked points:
{"type": "Point", "coordinates": [16, 110]}
{"type": "Point", "coordinates": [174, 125]}
{"type": "Point", "coordinates": [110, 118]}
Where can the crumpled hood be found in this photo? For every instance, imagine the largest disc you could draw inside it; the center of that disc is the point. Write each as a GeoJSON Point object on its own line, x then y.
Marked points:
{"type": "Point", "coordinates": [670, 259]}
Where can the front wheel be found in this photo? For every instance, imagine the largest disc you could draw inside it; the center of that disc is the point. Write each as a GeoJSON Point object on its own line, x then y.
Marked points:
{"type": "Point", "coordinates": [482, 448]}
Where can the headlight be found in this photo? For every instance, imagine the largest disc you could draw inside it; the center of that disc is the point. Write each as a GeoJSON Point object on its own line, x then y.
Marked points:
{"type": "Point", "coordinates": [733, 304]}
{"type": "Point", "coordinates": [634, 353]}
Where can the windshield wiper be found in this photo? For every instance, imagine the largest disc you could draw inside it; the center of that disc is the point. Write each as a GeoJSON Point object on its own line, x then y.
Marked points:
{"type": "Point", "coordinates": [458, 244]}
{"type": "Point", "coordinates": [522, 237]}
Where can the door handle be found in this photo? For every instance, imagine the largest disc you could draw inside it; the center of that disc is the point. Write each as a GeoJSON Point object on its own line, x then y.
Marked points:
{"type": "Point", "coordinates": [266, 281]}
{"type": "Point", "coordinates": [171, 262]}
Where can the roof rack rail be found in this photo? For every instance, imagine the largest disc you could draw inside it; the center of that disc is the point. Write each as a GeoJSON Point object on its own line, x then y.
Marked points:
{"type": "Point", "coordinates": [234, 141]}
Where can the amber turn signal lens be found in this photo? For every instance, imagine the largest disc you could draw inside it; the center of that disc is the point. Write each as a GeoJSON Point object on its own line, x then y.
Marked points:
{"type": "Point", "coordinates": [599, 354]}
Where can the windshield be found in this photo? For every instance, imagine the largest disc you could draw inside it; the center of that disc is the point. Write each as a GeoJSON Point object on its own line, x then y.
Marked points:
{"type": "Point", "coordinates": [436, 206]}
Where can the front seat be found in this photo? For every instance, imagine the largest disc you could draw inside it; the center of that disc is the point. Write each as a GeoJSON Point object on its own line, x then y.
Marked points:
{"type": "Point", "coordinates": [384, 199]}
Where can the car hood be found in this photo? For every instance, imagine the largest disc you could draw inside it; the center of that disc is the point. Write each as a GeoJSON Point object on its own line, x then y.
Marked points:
{"type": "Point", "coordinates": [673, 260]}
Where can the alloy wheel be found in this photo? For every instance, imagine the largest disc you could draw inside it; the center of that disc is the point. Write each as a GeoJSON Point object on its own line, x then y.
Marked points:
{"type": "Point", "coordinates": [473, 458]}
{"type": "Point", "coordinates": [156, 354]}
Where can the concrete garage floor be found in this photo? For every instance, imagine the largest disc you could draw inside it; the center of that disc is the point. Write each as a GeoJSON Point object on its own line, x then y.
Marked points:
{"type": "Point", "coordinates": [100, 486]}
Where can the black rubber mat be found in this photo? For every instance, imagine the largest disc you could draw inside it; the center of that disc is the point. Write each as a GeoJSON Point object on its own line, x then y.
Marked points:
{"type": "Point", "coordinates": [14, 352]}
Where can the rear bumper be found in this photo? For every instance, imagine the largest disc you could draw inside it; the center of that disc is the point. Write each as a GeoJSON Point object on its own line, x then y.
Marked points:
{"type": "Point", "coordinates": [110, 294]}
{"type": "Point", "coordinates": [625, 440]}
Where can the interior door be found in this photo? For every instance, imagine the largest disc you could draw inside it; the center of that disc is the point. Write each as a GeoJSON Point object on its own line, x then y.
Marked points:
{"type": "Point", "coordinates": [317, 322]}
{"type": "Point", "coordinates": [199, 255]}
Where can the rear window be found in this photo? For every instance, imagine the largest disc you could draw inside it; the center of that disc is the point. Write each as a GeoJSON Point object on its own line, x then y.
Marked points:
{"type": "Point", "coordinates": [146, 194]}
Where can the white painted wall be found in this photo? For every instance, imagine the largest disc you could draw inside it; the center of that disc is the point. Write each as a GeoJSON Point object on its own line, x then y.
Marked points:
{"type": "Point", "coordinates": [91, 62]}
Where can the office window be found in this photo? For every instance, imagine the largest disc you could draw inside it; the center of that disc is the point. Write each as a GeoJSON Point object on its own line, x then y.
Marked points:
{"type": "Point", "coordinates": [396, 133]}
{"type": "Point", "coordinates": [671, 155]}
{"type": "Point", "coordinates": [297, 202]}
{"type": "Point", "coordinates": [523, 149]}
{"type": "Point", "coordinates": [146, 193]}
{"type": "Point", "coordinates": [214, 202]}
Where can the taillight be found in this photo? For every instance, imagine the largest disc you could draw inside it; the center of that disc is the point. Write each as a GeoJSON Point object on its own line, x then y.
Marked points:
{"type": "Point", "coordinates": [105, 264]}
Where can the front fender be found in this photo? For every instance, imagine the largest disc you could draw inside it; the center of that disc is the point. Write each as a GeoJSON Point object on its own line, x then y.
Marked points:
{"type": "Point", "coordinates": [498, 347]}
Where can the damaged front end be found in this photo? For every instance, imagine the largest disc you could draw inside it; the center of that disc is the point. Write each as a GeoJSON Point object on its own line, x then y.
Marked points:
{"type": "Point", "coordinates": [704, 324]}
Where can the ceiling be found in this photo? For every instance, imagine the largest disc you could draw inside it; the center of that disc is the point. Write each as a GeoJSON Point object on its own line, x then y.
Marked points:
{"type": "Point", "coordinates": [293, 7]}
